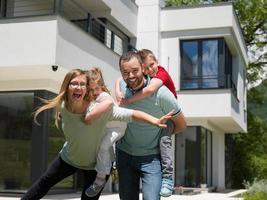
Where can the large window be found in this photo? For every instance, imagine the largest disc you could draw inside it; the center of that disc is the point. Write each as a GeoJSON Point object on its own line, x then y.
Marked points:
{"type": "Point", "coordinates": [193, 157]}
{"type": "Point", "coordinates": [205, 64]}
{"type": "Point", "coordinates": [15, 140]}
{"type": "Point", "coordinates": [26, 149]}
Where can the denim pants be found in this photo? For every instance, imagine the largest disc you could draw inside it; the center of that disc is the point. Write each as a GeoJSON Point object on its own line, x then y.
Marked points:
{"type": "Point", "coordinates": [131, 169]}
{"type": "Point", "coordinates": [57, 171]}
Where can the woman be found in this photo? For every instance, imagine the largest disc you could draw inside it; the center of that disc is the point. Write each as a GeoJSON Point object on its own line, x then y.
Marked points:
{"type": "Point", "coordinates": [82, 141]}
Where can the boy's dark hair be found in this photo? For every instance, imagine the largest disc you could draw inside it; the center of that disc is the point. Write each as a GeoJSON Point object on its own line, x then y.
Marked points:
{"type": "Point", "coordinates": [128, 56]}
{"type": "Point", "coordinates": [144, 53]}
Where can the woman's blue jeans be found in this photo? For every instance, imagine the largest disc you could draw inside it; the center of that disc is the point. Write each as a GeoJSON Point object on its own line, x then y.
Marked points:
{"type": "Point", "coordinates": [131, 169]}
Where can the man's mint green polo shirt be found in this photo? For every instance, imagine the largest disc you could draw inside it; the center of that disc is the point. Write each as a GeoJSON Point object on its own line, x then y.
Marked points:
{"type": "Point", "coordinates": [140, 138]}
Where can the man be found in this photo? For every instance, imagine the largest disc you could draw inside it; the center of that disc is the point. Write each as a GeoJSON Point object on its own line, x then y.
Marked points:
{"type": "Point", "coordinates": [138, 151]}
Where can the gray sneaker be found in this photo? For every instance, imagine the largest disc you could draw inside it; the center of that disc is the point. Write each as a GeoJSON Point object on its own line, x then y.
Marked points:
{"type": "Point", "coordinates": [94, 189]}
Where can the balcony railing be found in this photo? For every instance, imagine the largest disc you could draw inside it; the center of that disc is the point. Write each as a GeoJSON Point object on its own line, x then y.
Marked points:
{"type": "Point", "coordinates": [100, 28]}
{"type": "Point", "coordinates": [209, 82]}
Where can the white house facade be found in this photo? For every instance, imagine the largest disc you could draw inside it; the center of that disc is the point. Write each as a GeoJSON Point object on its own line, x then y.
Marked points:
{"type": "Point", "coordinates": [202, 48]}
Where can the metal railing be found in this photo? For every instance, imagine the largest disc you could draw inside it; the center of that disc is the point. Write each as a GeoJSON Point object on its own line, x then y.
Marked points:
{"type": "Point", "coordinates": [209, 82]}
{"type": "Point", "coordinates": [100, 28]}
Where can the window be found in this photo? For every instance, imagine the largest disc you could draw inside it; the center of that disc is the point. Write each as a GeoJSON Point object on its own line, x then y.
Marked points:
{"type": "Point", "coordinates": [205, 64]}
{"type": "Point", "coordinates": [15, 139]}
{"type": "Point", "coordinates": [193, 155]}
{"type": "Point", "coordinates": [26, 148]}
{"type": "Point", "coordinates": [210, 69]}
{"type": "Point", "coordinates": [3, 5]}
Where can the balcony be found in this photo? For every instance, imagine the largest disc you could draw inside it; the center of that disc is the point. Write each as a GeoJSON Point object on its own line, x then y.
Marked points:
{"type": "Point", "coordinates": [218, 108]}
{"type": "Point", "coordinates": [38, 34]}
{"type": "Point", "coordinates": [103, 26]}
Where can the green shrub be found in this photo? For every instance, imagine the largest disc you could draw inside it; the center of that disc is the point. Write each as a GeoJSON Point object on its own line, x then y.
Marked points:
{"type": "Point", "coordinates": [255, 196]}
{"type": "Point", "coordinates": [256, 191]}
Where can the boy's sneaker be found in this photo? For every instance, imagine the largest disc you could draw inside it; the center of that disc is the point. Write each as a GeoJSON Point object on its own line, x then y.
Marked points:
{"type": "Point", "coordinates": [94, 189]}
{"type": "Point", "coordinates": [166, 187]}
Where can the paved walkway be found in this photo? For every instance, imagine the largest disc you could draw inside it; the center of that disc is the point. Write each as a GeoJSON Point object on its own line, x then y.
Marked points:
{"type": "Point", "coordinates": [205, 196]}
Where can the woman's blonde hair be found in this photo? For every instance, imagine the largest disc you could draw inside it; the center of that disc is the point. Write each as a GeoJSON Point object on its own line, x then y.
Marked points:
{"type": "Point", "coordinates": [62, 96]}
{"type": "Point", "coordinates": [96, 76]}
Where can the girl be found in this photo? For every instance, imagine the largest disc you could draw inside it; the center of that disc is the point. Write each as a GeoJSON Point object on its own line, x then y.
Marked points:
{"type": "Point", "coordinates": [82, 141]}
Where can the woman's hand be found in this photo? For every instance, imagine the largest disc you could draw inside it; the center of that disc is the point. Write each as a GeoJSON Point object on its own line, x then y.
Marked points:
{"type": "Point", "coordinates": [161, 121]}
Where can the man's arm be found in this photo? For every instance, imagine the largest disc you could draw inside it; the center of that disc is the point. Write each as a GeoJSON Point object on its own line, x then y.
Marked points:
{"type": "Point", "coordinates": [154, 84]}
{"type": "Point", "coordinates": [168, 102]}
{"type": "Point", "coordinates": [179, 123]}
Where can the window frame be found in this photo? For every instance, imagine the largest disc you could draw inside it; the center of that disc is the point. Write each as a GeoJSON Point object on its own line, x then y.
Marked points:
{"type": "Point", "coordinates": [225, 60]}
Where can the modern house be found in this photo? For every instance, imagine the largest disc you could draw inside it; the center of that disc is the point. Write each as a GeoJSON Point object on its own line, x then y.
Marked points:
{"type": "Point", "coordinates": [202, 47]}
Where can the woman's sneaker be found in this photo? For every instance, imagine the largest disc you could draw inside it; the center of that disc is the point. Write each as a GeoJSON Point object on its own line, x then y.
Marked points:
{"type": "Point", "coordinates": [166, 187]}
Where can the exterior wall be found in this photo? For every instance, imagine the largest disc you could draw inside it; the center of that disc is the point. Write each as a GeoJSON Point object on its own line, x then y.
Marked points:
{"type": "Point", "coordinates": [28, 41]}
{"type": "Point", "coordinates": [148, 26]}
{"type": "Point", "coordinates": [47, 41]}
{"type": "Point", "coordinates": [76, 49]}
{"type": "Point", "coordinates": [32, 77]}
{"type": "Point", "coordinates": [198, 19]}
{"type": "Point", "coordinates": [124, 15]}
{"type": "Point", "coordinates": [200, 28]}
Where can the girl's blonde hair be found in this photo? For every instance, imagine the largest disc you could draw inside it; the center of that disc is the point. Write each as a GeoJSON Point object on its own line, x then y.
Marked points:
{"type": "Point", "coordinates": [96, 76]}
{"type": "Point", "coordinates": [62, 96]}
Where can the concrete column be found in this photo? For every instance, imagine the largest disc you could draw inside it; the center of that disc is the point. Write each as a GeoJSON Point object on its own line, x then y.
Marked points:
{"type": "Point", "coordinates": [148, 25]}
{"type": "Point", "coordinates": [218, 160]}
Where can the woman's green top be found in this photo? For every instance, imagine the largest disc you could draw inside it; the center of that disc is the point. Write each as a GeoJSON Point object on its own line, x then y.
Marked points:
{"type": "Point", "coordinates": [83, 141]}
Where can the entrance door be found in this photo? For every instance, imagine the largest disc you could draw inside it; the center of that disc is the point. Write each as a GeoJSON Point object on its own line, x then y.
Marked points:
{"type": "Point", "coordinates": [193, 157]}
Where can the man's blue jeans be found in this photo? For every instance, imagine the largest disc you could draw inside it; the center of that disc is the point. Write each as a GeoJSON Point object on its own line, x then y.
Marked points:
{"type": "Point", "coordinates": [131, 169]}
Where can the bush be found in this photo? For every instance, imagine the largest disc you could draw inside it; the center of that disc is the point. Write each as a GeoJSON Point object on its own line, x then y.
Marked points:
{"type": "Point", "coordinates": [256, 191]}
{"type": "Point", "coordinates": [255, 196]}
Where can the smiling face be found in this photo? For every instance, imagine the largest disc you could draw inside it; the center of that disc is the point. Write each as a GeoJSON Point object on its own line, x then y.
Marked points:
{"type": "Point", "coordinates": [77, 89]}
{"type": "Point", "coordinates": [95, 89]}
{"type": "Point", "coordinates": [132, 73]}
{"type": "Point", "coordinates": [150, 66]}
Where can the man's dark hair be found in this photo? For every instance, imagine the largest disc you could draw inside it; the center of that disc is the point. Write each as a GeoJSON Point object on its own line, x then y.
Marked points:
{"type": "Point", "coordinates": [126, 57]}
